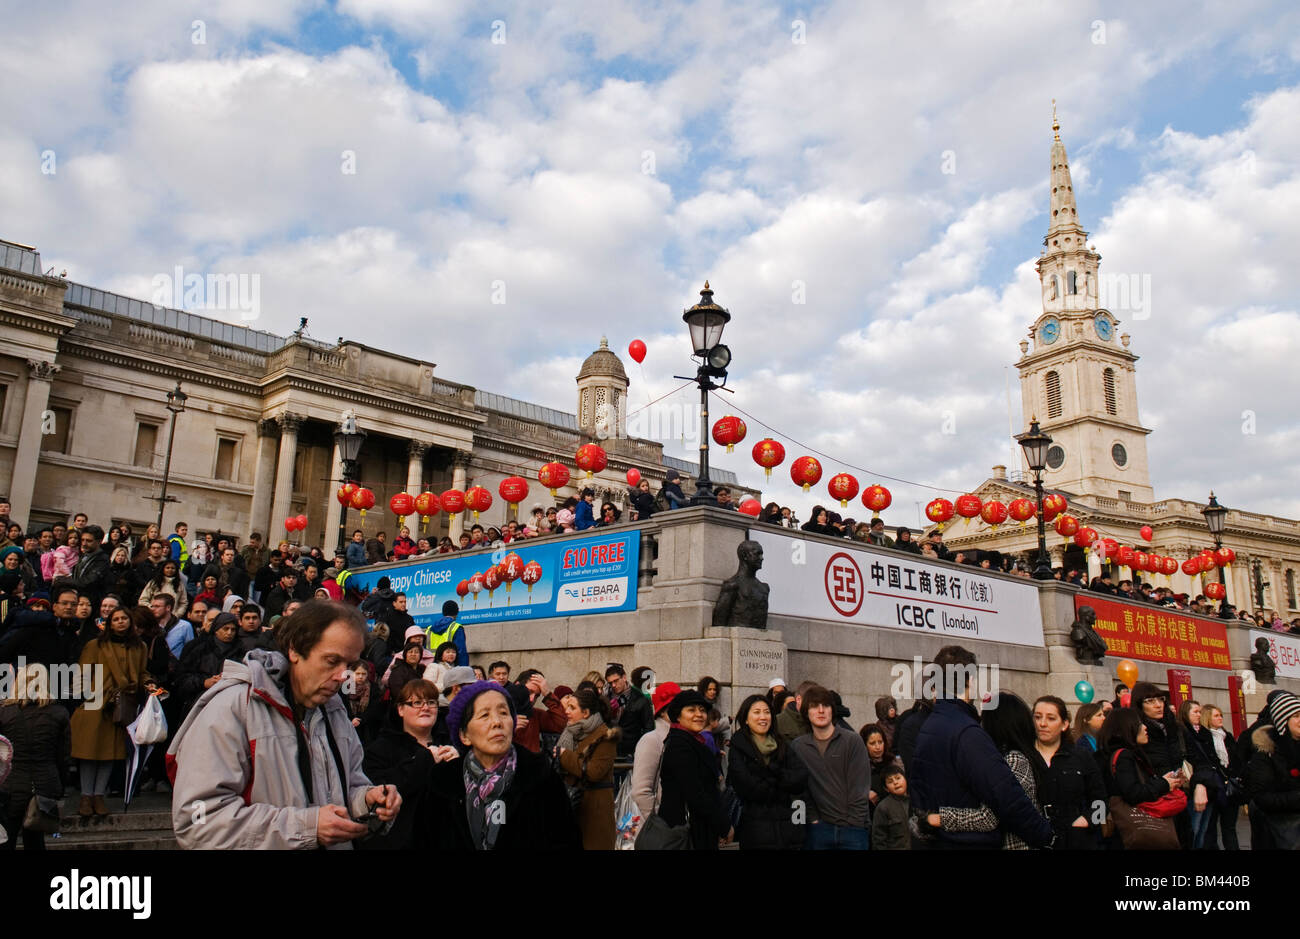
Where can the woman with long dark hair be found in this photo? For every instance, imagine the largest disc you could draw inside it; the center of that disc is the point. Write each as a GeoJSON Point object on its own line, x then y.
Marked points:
{"type": "Point", "coordinates": [168, 579]}
{"type": "Point", "coordinates": [767, 778]}
{"type": "Point", "coordinates": [819, 522]}
{"type": "Point", "coordinates": [1071, 787]}
{"type": "Point", "coordinates": [881, 756]}
{"type": "Point", "coordinates": [1124, 740]}
{"type": "Point", "coordinates": [1204, 786]}
{"type": "Point", "coordinates": [99, 735]}
{"type": "Point", "coordinates": [1164, 748]}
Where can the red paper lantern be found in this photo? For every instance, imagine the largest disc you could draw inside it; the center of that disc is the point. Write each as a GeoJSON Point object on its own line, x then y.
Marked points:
{"type": "Point", "coordinates": [1140, 560]}
{"type": "Point", "coordinates": [939, 511]}
{"type": "Point", "coordinates": [402, 505]}
{"type": "Point", "coordinates": [591, 458]}
{"type": "Point", "coordinates": [511, 567]}
{"type": "Point", "coordinates": [478, 499]}
{"type": "Point", "coordinates": [475, 585]}
{"type": "Point", "coordinates": [1207, 561]}
{"type": "Point", "coordinates": [462, 588]}
{"type": "Point", "coordinates": [1170, 566]}
{"type": "Point", "coordinates": [344, 495]}
{"type": "Point", "coordinates": [1084, 538]}
{"type": "Point", "coordinates": [1216, 591]}
{"type": "Point", "coordinates": [532, 573]}
{"type": "Point", "coordinates": [806, 471]}
{"type": "Point", "coordinates": [492, 580]}
{"type": "Point", "coordinates": [750, 507]}
{"type": "Point", "coordinates": [1053, 505]}
{"type": "Point", "coordinates": [553, 476]}
{"type": "Point", "coordinates": [877, 499]}
{"type": "Point", "coordinates": [1109, 549]}
{"type": "Point", "coordinates": [994, 513]}
{"type": "Point", "coordinates": [843, 486]}
{"type": "Point", "coordinates": [968, 506]}
{"type": "Point", "coordinates": [1224, 556]}
{"type": "Point", "coordinates": [452, 501]}
{"type": "Point", "coordinates": [767, 454]}
{"type": "Point", "coordinates": [363, 499]}
{"type": "Point", "coordinates": [1066, 525]}
{"type": "Point", "coordinates": [634, 477]}
{"type": "Point", "coordinates": [730, 430]}
{"type": "Point", "coordinates": [1125, 556]}
{"type": "Point", "coordinates": [1022, 510]}
{"type": "Point", "coordinates": [513, 489]}
{"type": "Point", "coordinates": [1146, 532]}
{"type": "Point", "coordinates": [1191, 567]}
{"type": "Point", "coordinates": [426, 503]}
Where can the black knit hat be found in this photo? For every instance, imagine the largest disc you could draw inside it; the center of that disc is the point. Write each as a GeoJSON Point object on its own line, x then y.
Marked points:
{"type": "Point", "coordinates": [684, 700]}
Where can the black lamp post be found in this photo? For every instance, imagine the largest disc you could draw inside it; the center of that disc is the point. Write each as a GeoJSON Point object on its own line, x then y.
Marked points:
{"type": "Point", "coordinates": [176, 404]}
{"type": "Point", "coordinates": [1035, 444]}
{"type": "Point", "coordinates": [1216, 517]}
{"type": "Point", "coordinates": [706, 320]}
{"type": "Point", "coordinates": [348, 438]}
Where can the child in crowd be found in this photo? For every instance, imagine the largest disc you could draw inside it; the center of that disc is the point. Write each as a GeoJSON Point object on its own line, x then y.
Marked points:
{"type": "Point", "coordinates": [889, 829]}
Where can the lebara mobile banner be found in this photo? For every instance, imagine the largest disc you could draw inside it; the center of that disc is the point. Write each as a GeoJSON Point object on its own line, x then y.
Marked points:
{"type": "Point", "coordinates": [565, 576]}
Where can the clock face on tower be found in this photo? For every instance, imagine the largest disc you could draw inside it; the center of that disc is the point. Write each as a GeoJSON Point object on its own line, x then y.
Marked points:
{"type": "Point", "coordinates": [1105, 327]}
{"type": "Point", "coordinates": [1051, 330]}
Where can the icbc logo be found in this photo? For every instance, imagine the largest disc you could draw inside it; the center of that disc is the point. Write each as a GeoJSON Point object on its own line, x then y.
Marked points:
{"type": "Point", "coordinates": [844, 587]}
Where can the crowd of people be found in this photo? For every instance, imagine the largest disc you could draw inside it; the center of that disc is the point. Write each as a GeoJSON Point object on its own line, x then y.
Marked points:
{"type": "Point", "coordinates": [395, 739]}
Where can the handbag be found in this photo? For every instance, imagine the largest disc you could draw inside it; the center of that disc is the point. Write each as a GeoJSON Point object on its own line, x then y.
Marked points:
{"type": "Point", "coordinates": [42, 814]}
{"type": "Point", "coordinates": [656, 834]}
{"type": "Point", "coordinates": [1139, 831]}
{"type": "Point", "coordinates": [125, 708]}
{"type": "Point", "coordinates": [1173, 802]}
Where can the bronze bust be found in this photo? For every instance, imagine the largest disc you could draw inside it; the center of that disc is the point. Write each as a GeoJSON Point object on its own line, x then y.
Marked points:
{"type": "Point", "coordinates": [1260, 663]}
{"type": "Point", "coordinates": [1089, 647]}
{"type": "Point", "coordinates": [743, 600]}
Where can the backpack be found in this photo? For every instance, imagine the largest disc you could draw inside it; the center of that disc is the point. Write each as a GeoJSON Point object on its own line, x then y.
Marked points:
{"type": "Point", "coordinates": [661, 502]}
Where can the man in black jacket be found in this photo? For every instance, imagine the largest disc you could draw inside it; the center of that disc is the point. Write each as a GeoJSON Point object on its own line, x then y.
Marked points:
{"type": "Point", "coordinates": [636, 716]}
{"type": "Point", "coordinates": [233, 574]}
{"type": "Point", "coordinates": [282, 593]}
{"type": "Point", "coordinates": [91, 575]}
{"type": "Point", "coordinates": [267, 576]}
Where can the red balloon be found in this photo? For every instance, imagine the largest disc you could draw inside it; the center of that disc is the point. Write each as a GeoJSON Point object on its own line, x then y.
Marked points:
{"type": "Point", "coordinates": [636, 349]}
{"type": "Point", "coordinates": [634, 477]}
{"type": "Point", "coordinates": [291, 524]}
{"type": "Point", "coordinates": [513, 489]}
{"type": "Point", "coordinates": [805, 471]}
{"type": "Point", "coordinates": [452, 501]}
{"type": "Point", "coordinates": [1146, 532]}
{"type": "Point", "coordinates": [302, 522]}
{"type": "Point", "coordinates": [843, 486]}
{"type": "Point", "coordinates": [750, 507]}
{"type": "Point", "coordinates": [968, 506]}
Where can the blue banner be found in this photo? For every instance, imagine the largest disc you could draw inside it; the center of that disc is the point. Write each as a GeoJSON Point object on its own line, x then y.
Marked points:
{"type": "Point", "coordinates": [570, 575]}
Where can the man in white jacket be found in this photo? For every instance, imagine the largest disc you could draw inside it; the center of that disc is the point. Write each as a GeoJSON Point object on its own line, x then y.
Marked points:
{"type": "Point", "coordinates": [268, 757]}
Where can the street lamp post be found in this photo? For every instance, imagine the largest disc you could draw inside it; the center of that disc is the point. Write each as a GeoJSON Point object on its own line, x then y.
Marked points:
{"type": "Point", "coordinates": [176, 404]}
{"type": "Point", "coordinates": [348, 438]}
{"type": "Point", "coordinates": [1216, 517]}
{"type": "Point", "coordinates": [1035, 444]}
{"type": "Point", "coordinates": [705, 321]}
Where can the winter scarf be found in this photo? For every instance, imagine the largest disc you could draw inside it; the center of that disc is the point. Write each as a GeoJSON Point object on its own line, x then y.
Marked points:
{"type": "Point", "coordinates": [574, 734]}
{"type": "Point", "coordinates": [480, 787]}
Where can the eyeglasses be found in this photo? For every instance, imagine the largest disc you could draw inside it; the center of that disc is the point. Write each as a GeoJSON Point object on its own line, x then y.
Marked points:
{"type": "Point", "coordinates": [421, 705]}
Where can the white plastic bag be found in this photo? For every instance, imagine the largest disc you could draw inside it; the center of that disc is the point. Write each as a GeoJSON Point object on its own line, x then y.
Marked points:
{"type": "Point", "coordinates": [627, 817]}
{"type": "Point", "coordinates": [151, 725]}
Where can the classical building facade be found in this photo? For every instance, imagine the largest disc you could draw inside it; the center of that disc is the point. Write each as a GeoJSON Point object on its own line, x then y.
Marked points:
{"type": "Point", "coordinates": [1079, 379]}
{"type": "Point", "coordinates": [84, 424]}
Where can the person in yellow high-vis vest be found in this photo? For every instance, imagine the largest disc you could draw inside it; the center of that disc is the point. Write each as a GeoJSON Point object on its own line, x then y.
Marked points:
{"type": "Point", "coordinates": [446, 629]}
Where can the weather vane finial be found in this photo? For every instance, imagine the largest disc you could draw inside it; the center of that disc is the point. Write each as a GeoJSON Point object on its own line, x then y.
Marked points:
{"type": "Point", "coordinates": [1056, 125]}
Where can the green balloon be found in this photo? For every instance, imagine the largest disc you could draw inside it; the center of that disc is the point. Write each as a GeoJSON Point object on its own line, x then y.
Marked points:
{"type": "Point", "coordinates": [1084, 692]}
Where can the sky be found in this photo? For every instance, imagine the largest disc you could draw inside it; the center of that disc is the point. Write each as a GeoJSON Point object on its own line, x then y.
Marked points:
{"type": "Point", "coordinates": [493, 188]}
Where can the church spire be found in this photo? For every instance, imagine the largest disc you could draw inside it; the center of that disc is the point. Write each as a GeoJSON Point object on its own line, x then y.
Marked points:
{"type": "Point", "coordinates": [1065, 213]}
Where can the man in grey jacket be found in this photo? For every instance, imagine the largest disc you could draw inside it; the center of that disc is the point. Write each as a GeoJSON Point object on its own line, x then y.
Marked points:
{"type": "Point", "coordinates": [839, 778]}
{"type": "Point", "coordinates": [268, 757]}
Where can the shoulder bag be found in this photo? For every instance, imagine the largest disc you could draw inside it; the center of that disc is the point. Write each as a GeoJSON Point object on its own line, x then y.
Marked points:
{"type": "Point", "coordinates": [1139, 829]}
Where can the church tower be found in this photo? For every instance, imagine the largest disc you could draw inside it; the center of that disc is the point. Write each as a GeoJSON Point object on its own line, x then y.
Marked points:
{"type": "Point", "coordinates": [1078, 378]}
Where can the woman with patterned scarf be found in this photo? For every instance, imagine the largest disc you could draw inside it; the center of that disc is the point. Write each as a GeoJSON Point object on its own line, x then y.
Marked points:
{"type": "Point", "coordinates": [498, 796]}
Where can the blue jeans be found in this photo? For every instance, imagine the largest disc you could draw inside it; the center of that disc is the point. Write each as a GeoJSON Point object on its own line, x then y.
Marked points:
{"type": "Point", "coordinates": [1202, 822]}
{"type": "Point", "coordinates": [823, 836]}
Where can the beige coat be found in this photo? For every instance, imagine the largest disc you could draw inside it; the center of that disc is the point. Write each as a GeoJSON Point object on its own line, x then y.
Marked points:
{"type": "Point", "coordinates": [121, 668]}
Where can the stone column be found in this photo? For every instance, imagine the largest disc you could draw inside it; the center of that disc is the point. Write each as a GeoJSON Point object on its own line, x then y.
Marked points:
{"type": "Point", "coordinates": [21, 486]}
{"type": "Point", "coordinates": [263, 477]}
{"type": "Point", "coordinates": [333, 511]}
{"type": "Point", "coordinates": [283, 498]}
{"type": "Point", "coordinates": [415, 450]}
{"type": "Point", "coordinates": [460, 466]}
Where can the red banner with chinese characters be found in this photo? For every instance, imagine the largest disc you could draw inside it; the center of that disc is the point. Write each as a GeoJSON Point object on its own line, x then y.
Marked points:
{"type": "Point", "coordinates": [1180, 688]}
{"type": "Point", "coordinates": [1158, 634]}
